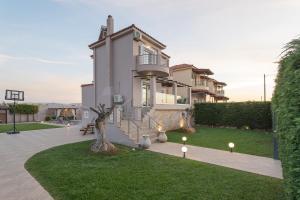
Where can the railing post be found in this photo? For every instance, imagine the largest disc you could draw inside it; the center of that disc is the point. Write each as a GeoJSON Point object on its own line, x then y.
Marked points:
{"type": "Point", "coordinates": [138, 135]}
{"type": "Point", "coordinates": [120, 117]}
{"type": "Point", "coordinates": [128, 127]}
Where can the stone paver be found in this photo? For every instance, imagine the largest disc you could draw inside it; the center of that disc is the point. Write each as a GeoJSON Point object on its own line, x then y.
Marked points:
{"type": "Point", "coordinates": [249, 163]}
{"type": "Point", "coordinates": [15, 182]}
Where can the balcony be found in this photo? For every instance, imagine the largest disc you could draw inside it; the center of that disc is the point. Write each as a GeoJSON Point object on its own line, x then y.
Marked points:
{"type": "Point", "coordinates": [151, 64]}
{"type": "Point", "coordinates": [220, 92]}
{"type": "Point", "coordinates": [201, 87]}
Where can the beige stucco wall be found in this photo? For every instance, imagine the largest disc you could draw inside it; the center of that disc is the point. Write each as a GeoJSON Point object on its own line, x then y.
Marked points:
{"type": "Point", "coordinates": [123, 66]}
{"type": "Point", "coordinates": [211, 86]}
{"type": "Point", "coordinates": [21, 118]}
{"type": "Point", "coordinates": [169, 119]}
{"type": "Point", "coordinates": [88, 100]}
{"type": "Point", "coordinates": [183, 76]}
{"type": "Point", "coordinates": [117, 53]}
{"type": "Point", "coordinates": [101, 72]}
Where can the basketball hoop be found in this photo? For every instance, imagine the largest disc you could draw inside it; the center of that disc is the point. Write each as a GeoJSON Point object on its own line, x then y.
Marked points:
{"type": "Point", "coordinates": [14, 95]}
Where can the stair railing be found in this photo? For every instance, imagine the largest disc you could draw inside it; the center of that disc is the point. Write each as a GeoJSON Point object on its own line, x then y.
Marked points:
{"type": "Point", "coordinates": [128, 113]}
{"type": "Point", "coordinates": [152, 123]}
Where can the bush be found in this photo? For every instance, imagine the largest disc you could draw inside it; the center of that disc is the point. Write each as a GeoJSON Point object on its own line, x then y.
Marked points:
{"type": "Point", "coordinates": [47, 118]}
{"type": "Point", "coordinates": [24, 109]}
{"type": "Point", "coordinates": [255, 115]}
{"type": "Point", "coordinates": [286, 105]}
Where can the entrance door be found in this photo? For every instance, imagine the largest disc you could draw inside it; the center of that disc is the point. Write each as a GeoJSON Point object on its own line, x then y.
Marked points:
{"type": "Point", "coordinates": [145, 93]}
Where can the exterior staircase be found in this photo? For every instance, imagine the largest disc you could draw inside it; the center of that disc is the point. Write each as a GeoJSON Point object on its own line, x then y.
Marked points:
{"type": "Point", "coordinates": [136, 122]}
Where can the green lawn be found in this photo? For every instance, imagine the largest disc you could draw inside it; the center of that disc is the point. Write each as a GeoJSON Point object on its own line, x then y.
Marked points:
{"type": "Point", "coordinates": [25, 127]}
{"type": "Point", "coordinates": [246, 141]}
{"type": "Point", "coordinates": [72, 172]}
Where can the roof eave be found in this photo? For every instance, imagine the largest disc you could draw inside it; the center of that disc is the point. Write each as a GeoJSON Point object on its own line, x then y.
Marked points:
{"type": "Point", "coordinates": [125, 31]}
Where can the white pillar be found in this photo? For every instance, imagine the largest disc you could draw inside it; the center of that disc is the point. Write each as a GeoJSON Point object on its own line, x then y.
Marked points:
{"type": "Point", "coordinates": [58, 111]}
{"type": "Point", "coordinates": [175, 92]}
{"type": "Point", "coordinates": [73, 113]}
{"type": "Point", "coordinates": [189, 94]}
{"type": "Point", "coordinates": [153, 91]}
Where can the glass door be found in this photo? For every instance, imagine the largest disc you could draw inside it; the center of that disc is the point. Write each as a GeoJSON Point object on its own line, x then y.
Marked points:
{"type": "Point", "coordinates": [145, 93]}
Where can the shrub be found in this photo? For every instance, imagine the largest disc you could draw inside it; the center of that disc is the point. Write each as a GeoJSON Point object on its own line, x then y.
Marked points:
{"type": "Point", "coordinates": [255, 115]}
{"type": "Point", "coordinates": [286, 105]}
{"type": "Point", "coordinates": [24, 109]}
{"type": "Point", "coordinates": [47, 118]}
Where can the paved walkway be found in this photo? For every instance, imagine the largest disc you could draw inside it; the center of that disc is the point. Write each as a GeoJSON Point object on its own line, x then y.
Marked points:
{"type": "Point", "coordinates": [15, 182]}
{"type": "Point", "coordinates": [249, 163]}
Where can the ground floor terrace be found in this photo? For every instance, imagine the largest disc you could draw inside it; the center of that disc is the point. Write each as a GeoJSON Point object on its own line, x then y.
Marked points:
{"type": "Point", "coordinates": [153, 91]}
{"type": "Point", "coordinates": [205, 96]}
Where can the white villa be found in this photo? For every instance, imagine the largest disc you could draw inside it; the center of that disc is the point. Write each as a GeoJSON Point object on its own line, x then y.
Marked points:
{"type": "Point", "coordinates": [130, 66]}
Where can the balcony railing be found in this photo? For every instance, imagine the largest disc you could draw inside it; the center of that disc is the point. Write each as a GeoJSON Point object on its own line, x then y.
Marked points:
{"type": "Point", "coordinates": [147, 59]}
{"type": "Point", "coordinates": [151, 64]}
{"type": "Point", "coordinates": [201, 87]}
{"type": "Point", "coordinates": [220, 92]}
{"type": "Point", "coordinates": [163, 98]}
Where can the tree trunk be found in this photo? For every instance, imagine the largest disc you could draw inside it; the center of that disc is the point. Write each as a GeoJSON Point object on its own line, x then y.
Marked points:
{"type": "Point", "coordinates": [102, 144]}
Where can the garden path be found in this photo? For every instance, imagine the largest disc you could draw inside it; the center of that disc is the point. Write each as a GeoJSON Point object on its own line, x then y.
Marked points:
{"type": "Point", "coordinates": [15, 182]}
{"type": "Point", "coordinates": [244, 162]}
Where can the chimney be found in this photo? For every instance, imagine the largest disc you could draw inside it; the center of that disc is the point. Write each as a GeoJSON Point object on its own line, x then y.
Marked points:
{"type": "Point", "coordinates": [110, 25]}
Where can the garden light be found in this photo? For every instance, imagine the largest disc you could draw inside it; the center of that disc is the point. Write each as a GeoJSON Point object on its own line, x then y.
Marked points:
{"type": "Point", "coordinates": [159, 128]}
{"type": "Point", "coordinates": [231, 146]}
{"type": "Point", "coordinates": [181, 124]}
{"type": "Point", "coordinates": [184, 150]}
{"type": "Point", "coordinates": [68, 125]}
{"type": "Point", "coordinates": [184, 139]}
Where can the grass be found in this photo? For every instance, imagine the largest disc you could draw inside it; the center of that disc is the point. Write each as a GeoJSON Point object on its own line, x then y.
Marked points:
{"type": "Point", "coordinates": [246, 141]}
{"type": "Point", "coordinates": [25, 127]}
{"type": "Point", "coordinates": [72, 172]}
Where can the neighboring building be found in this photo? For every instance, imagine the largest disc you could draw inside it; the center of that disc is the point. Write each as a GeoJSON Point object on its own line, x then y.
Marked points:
{"type": "Point", "coordinates": [130, 64]}
{"type": "Point", "coordinates": [52, 110]}
{"type": "Point", "coordinates": [204, 88]}
{"type": "Point", "coordinates": [68, 111]}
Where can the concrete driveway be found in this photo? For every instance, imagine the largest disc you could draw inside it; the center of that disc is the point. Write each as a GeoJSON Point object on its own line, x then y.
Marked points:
{"type": "Point", "coordinates": [15, 182]}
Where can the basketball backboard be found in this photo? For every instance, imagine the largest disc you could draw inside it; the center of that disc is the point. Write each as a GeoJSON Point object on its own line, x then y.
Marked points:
{"type": "Point", "coordinates": [14, 95]}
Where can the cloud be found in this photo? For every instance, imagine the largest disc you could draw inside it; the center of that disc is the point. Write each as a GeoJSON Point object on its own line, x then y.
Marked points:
{"type": "Point", "coordinates": [5, 57]}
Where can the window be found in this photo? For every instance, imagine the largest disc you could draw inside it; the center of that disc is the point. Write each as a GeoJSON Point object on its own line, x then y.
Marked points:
{"type": "Point", "coordinates": [146, 50]}
{"type": "Point", "coordinates": [148, 55]}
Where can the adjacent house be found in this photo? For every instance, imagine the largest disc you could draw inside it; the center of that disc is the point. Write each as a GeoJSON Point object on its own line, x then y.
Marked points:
{"type": "Point", "coordinates": [130, 66]}
{"type": "Point", "coordinates": [204, 88]}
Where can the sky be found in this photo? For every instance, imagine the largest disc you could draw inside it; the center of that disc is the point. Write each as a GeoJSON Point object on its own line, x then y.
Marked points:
{"type": "Point", "coordinates": [44, 43]}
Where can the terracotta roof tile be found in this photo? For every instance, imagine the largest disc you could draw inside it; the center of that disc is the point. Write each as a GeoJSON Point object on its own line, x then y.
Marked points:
{"type": "Point", "coordinates": [190, 66]}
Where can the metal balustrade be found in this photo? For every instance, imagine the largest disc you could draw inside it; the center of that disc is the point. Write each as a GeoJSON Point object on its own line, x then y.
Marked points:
{"type": "Point", "coordinates": [147, 59]}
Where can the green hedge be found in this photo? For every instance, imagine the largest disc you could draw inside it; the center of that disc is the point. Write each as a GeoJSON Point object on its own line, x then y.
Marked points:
{"type": "Point", "coordinates": [286, 105]}
{"type": "Point", "coordinates": [24, 109]}
{"type": "Point", "coordinates": [255, 115]}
